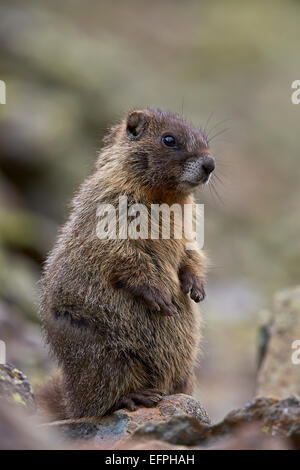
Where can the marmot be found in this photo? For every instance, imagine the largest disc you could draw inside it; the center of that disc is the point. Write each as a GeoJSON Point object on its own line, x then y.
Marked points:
{"type": "Point", "coordinates": [119, 315]}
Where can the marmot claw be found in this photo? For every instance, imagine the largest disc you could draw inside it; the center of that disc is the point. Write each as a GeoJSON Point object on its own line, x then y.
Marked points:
{"type": "Point", "coordinates": [192, 284]}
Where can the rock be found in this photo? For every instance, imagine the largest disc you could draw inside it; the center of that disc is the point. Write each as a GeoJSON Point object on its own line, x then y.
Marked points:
{"type": "Point", "coordinates": [180, 430]}
{"type": "Point", "coordinates": [182, 404]}
{"type": "Point", "coordinates": [273, 418]}
{"type": "Point", "coordinates": [278, 376]}
{"type": "Point", "coordinates": [247, 436]}
{"type": "Point", "coordinates": [120, 425]}
{"type": "Point", "coordinates": [15, 388]}
{"type": "Point", "coordinates": [250, 437]}
{"type": "Point", "coordinates": [149, 445]}
{"type": "Point", "coordinates": [180, 422]}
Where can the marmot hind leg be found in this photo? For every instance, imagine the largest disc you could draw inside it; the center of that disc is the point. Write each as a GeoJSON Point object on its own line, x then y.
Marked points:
{"type": "Point", "coordinates": [147, 398]}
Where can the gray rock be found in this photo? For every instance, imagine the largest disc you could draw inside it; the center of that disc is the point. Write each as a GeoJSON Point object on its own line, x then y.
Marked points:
{"type": "Point", "coordinates": [15, 388]}
{"type": "Point", "coordinates": [180, 430]}
{"type": "Point", "coordinates": [118, 427]}
{"type": "Point", "coordinates": [274, 418]}
{"type": "Point", "coordinates": [278, 376]}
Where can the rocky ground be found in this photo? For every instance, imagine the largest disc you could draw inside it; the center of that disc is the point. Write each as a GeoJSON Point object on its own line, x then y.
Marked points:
{"type": "Point", "coordinates": [270, 421]}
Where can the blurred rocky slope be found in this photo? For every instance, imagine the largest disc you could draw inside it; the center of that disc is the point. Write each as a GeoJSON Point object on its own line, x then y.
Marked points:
{"type": "Point", "coordinates": [72, 69]}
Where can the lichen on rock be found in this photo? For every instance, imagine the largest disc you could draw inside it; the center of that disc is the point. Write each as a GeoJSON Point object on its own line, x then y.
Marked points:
{"type": "Point", "coordinates": [15, 388]}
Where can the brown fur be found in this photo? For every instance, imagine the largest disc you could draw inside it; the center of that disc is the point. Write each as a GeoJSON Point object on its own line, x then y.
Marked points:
{"type": "Point", "coordinates": [51, 399]}
{"type": "Point", "coordinates": [117, 313]}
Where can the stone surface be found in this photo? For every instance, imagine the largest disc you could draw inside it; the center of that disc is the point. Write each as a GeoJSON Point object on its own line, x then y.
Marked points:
{"type": "Point", "coordinates": [180, 430]}
{"type": "Point", "coordinates": [278, 376]}
{"type": "Point", "coordinates": [120, 425]}
{"type": "Point", "coordinates": [250, 437]}
{"type": "Point", "coordinates": [273, 418]}
{"type": "Point", "coordinates": [247, 436]}
{"type": "Point", "coordinates": [179, 422]}
{"type": "Point", "coordinates": [15, 388]}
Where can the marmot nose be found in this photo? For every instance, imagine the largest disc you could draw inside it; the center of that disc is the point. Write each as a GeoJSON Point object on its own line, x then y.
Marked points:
{"type": "Point", "coordinates": [208, 164]}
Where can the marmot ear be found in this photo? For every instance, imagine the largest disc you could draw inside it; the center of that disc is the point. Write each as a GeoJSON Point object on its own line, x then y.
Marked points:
{"type": "Point", "coordinates": [136, 122]}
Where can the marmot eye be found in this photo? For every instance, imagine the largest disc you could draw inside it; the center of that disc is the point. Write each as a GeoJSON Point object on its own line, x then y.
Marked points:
{"type": "Point", "coordinates": [169, 141]}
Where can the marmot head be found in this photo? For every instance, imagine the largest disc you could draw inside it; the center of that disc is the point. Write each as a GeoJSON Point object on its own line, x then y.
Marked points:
{"type": "Point", "coordinates": [163, 151]}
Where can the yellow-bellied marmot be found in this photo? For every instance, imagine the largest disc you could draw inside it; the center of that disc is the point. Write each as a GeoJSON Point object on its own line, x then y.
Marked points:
{"type": "Point", "coordinates": [119, 314]}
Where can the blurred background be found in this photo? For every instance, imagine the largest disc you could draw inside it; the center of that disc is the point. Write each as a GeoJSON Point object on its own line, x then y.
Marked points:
{"type": "Point", "coordinates": [72, 69]}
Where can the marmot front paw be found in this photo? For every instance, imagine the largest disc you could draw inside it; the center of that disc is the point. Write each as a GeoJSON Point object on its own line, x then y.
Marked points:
{"type": "Point", "coordinates": [155, 298]}
{"type": "Point", "coordinates": [192, 284]}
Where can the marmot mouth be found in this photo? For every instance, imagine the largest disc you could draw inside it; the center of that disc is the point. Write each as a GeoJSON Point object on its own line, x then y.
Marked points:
{"type": "Point", "coordinates": [189, 185]}
{"type": "Point", "coordinates": [197, 172]}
